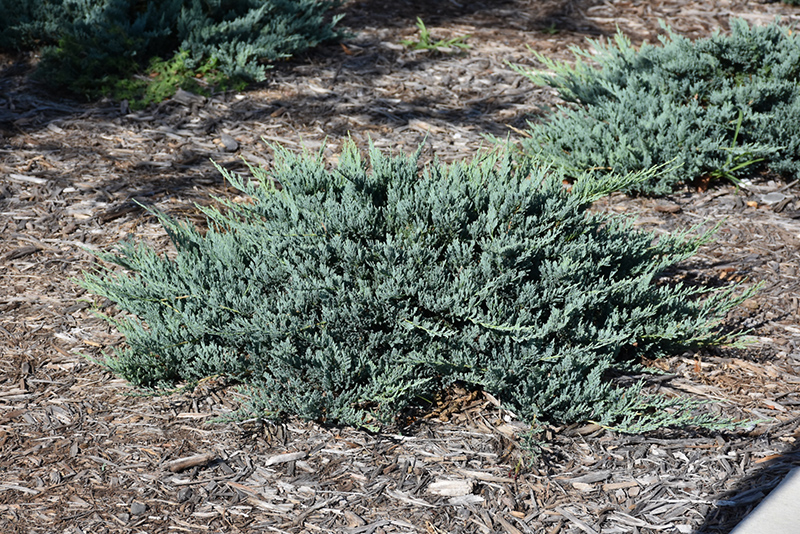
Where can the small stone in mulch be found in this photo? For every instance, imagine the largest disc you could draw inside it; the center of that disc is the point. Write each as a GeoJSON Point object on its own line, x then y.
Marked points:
{"type": "Point", "coordinates": [772, 198]}
{"type": "Point", "coordinates": [231, 145]}
{"type": "Point", "coordinates": [138, 508]}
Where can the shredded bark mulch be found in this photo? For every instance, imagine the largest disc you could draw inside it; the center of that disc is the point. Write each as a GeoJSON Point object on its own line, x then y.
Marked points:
{"type": "Point", "coordinates": [81, 451]}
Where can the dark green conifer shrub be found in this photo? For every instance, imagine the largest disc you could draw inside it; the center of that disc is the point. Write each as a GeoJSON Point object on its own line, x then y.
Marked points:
{"type": "Point", "coordinates": [28, 24]}
{"type": "Point", "coordinates": [718, 107]}
{"type": "Point", "coordinates": [96, 46]}
{"type": "Point", "coordinates": [350, 294]}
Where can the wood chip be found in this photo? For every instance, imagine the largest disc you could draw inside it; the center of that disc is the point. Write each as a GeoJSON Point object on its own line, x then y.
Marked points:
{"type": "Point", "coordinates": [285, 458]}
{"type": "Point", "coordinates": [25, 178]}
{"type": "Point", "coordinates": [406, 498]}
{"type": "Point", "coordinates": [508, 527]}
{"type": "Point", "coordinates": [176, 466]}
{"type": "Point", "coordinates": [577, 522]}
{"type": "Point", "coordinates": [667, 207]}
{"type": "Point", "coordinates": [620, 485]}
{"type": "Point", "coordinates": [451, 488]}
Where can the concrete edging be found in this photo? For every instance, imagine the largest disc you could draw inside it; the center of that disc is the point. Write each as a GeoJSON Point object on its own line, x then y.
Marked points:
{"type": "Point", "coordinates": [778, 513]}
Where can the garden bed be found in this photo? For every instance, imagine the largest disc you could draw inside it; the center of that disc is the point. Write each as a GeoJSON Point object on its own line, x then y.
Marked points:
{"type": "Point", "coordinates": [82, 452]}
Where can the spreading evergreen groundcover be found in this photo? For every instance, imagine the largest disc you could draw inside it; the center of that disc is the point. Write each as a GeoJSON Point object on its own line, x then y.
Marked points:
{"type": "Point", "coordinates": [95, 47]}
{"type": "Point", "coordinates": [717, 108]}
{"type": "Point", "coordinates": [352, 293]}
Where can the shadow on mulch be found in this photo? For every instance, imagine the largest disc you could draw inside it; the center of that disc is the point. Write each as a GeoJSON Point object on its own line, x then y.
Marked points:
{"type": "Point", "coordinates": [549, 14]}
{"type": "Point", "coordinates": [734, 505]}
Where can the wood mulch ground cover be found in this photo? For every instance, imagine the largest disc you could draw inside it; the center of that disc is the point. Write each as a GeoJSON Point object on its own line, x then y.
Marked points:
{"type": "Point", "coordinates": [81, 452]}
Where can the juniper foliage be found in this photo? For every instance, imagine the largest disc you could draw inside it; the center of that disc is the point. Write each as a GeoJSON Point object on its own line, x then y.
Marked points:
{"type": "Point", "coordinates": [24, 24]}
{"type": "Point", "coordinates": [100, 42]}
{"type": "Point", "coordinates": [349, 294]}
{"type": "Point", "coordinates": [245, 36]}
{"type": "Point", "coordinates": [91, 46]}
{"type": "Point", "coordinates": [718, 107]}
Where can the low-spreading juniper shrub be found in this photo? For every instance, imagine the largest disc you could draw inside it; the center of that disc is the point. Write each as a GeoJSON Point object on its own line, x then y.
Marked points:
{"type": "Point", "coordinates": [717, 107]}
{"type": "Point", "coordinates": [25, 25]}
{"type": "Point", "coordinates": [349, 294]}
{"type": "Point", "coordinates": [95, 48]}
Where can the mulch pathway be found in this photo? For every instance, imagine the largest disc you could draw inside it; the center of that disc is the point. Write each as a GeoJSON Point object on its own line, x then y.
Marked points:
{"type": "Point", "coordinates": [81, 451]}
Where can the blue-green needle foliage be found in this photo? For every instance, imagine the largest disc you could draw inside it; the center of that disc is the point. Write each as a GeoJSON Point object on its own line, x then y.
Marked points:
{"type": "Point", "coordinates": [719, 107]}
{"type": "Point", "coordinates": [349, 294]}
{"type": "Point", "coordinates": [94, 47]}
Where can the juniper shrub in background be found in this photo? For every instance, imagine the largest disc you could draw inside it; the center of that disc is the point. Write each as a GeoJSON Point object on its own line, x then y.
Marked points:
{"type": "Point", "coordinates": [95, 48]}
{"type": "Point", "coordinates": [718, 107]}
